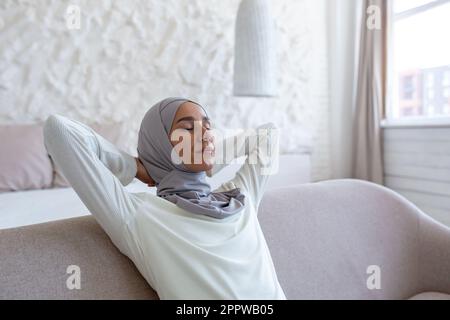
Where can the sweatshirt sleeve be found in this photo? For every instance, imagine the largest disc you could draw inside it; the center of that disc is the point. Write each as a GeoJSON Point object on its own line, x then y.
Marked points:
{"type": "Point", "coordinates": [261, 148]}
{"type": "Point", "coordinates": [118, 162]}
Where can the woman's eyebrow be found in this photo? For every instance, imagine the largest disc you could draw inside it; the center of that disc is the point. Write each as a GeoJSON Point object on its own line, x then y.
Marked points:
{"type": "Point", "coordinates": [190, 118]}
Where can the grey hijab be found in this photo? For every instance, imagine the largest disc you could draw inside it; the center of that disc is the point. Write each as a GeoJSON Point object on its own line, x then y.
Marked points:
{"type": "Point", "coordinates": [188, 190]}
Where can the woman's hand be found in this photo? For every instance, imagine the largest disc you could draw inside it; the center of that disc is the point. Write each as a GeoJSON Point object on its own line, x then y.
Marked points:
{"type": "Point", "coordinates": [143, 175]}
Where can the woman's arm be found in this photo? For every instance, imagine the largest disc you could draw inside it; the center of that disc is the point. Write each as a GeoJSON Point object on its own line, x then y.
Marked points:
{"type": "Point", "coordinates": [260, 145]}
{"type": "Point", "coordinates": [97, 171]}
{"type": "Point", "coordinates": [261, 148]}
{"type": "Point", "coordinates": [118, 162]}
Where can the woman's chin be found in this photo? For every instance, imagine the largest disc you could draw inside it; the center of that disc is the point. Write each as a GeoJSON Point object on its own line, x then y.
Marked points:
{"type": "Point", "coordinates": [199, 167]}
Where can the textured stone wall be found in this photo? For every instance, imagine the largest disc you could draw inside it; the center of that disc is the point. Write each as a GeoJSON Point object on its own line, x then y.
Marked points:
{"type": "Point", "coordinates": [129, 54]}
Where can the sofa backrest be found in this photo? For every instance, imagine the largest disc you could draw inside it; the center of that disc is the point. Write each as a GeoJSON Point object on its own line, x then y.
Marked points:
{"type": "Point", "coordinates": [37, 262]}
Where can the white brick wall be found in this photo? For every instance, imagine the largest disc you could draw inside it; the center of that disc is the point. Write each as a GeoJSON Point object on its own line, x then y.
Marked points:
{"type": "Point", "coordinates": [129, 54]}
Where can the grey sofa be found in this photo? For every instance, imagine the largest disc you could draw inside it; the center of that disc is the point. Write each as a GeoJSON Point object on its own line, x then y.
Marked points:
{"type": "Point", "coordinates": [324, 237]}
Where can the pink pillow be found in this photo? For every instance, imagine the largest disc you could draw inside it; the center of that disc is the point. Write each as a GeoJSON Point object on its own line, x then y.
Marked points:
{"type": "Point", "coordinates": [111, 132]}
{"type": "Point", "coordinates": [24, 163]}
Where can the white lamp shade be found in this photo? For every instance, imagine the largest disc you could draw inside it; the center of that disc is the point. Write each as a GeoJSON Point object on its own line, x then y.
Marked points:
{"type": "Point", "coordinates": [255, 53]}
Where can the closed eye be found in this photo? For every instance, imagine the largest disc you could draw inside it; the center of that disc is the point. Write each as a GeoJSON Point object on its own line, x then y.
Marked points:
{"type": "Point", "coordinates": [189, 125]}
{"type": "Point", "coordinates": [189, 119]}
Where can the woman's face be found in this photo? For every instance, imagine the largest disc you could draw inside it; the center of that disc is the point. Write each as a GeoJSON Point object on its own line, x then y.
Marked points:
{"type": "Point", "coordinates": [192, 137]}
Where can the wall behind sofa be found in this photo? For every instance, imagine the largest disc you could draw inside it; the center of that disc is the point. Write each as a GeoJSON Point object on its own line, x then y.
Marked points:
{"type": "Point", "coordinates": [129, 54]}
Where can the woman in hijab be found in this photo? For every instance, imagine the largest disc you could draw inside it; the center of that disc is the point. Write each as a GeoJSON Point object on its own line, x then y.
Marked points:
{"type": "Point", "coordinates": [188, 241]}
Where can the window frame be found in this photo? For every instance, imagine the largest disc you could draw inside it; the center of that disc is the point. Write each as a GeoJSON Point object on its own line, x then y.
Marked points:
{"type": "Point", "coordinates": [410, 121]}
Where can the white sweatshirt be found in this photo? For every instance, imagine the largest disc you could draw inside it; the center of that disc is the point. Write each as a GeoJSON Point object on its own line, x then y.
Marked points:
{"type": "Point", "coordinates": [181, 254]}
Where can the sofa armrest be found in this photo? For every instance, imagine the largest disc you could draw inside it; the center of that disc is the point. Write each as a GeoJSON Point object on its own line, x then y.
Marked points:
{"type": "Point", "coordinates": [326, 236]}
{"type": "Point", "coordinates": [434, 255]}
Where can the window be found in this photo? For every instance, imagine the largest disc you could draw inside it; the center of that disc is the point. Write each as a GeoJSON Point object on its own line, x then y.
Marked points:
{"type": "Point", "coordinates": [430, 80]}
{"type": "Point", "coordinates": [408, 87]}
{"type": "Point", "coordinates": [447, 92]}
{"type": "Point", "coordinates": [447, 109]}
{"type": "Point", "coordinates": [446, 80]}
{"type": "Point", "coordinates": [419, 59]}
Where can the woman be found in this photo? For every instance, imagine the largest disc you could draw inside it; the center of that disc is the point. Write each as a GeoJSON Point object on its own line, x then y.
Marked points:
{"type": "Point", "coordinates": [188, 242]}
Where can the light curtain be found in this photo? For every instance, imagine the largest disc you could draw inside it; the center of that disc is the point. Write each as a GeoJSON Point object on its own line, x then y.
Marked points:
{"type": "Point", "coordinates": [369, 104]}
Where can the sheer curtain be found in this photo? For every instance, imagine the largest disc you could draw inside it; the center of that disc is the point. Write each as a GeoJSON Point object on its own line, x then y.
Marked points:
{"type": "Point", "coordinates": [368, 108]}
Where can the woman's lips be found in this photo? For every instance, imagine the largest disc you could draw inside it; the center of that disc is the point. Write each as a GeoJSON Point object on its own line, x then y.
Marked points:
{"type": "Point", "coordinates": [207, 150]}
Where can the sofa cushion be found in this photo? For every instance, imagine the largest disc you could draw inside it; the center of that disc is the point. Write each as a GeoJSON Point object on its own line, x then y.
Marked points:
{"type": "Point", "coordinates": [24, 163]}
{"type": "Point", "coordinates": [431, 296]}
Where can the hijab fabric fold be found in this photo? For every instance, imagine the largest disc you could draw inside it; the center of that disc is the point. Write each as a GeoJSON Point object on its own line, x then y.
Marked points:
{"type": "Point", "coordinates": [188, 190]}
